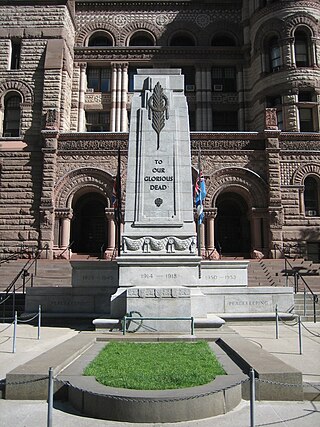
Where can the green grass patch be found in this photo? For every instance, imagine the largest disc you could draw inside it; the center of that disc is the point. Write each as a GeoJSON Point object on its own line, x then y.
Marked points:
{"type": "Point", "coordinates": [155, 366]}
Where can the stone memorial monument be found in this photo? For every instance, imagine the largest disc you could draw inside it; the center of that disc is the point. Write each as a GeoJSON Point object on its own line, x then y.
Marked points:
{"type": "Point", "coordinates": [159, 254]}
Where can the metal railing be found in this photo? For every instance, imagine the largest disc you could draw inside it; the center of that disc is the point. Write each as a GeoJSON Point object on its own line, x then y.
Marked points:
{"type": "Point", "coordinates": [66, 249]}
{"type": "Point", "coordinates": [290, 270]}
{"type": "Point", "coordinates": [24, 273]}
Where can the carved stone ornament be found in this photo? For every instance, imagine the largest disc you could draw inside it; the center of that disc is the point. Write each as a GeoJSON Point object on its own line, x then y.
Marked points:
{"type": "Point", "coordinates": [271, 119]}
{"type": "Point", "coordinates": [46, 219]}
{"type": "Point", "coordinates": [167, 245]}
{"type": "Point", "coordinates": [158, 110]}
{"type": "Point", "coordinates": [52, 119]}
{"type": "Point", "coordinates": [276, 219]}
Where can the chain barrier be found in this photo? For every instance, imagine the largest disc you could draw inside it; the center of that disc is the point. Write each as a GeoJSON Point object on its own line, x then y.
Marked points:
{"type": "Point", "coordinates": [3, 301]}
{"type": "Point", "coordinates": [27, 381]}
{"type": "Point", "coordinates": [310, 332]}
{"type": "Point", "coordinates": [277, 383]}
{"type": "Point", "coordinates": [134, 399]}
{"type": "Point", "coordinates": [7, 327]}
{"type": "Point", "coordinates": [28, 320]}
{"type": "Point", "coordinates": [294, 322]}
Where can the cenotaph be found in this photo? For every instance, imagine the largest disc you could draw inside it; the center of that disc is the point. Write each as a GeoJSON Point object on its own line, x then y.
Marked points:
{"type": "Point", "coordinates": [159, 245]}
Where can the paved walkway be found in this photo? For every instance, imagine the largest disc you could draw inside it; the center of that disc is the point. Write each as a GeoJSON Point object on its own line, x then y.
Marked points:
{"type": "Point", "coordinates": [293, 414]}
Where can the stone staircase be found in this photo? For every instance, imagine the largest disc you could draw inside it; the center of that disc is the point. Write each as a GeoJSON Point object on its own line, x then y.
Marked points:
{"type": "Point", "coordinates": [43, 273]}
{"type": "Point", "coordinates": [305, 309]}
{"type": "Point", "coordinates": [265, 272]}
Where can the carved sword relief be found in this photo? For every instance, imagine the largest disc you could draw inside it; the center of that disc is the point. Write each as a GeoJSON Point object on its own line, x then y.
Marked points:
{"type": "Point", "coordinates": [158, 110]}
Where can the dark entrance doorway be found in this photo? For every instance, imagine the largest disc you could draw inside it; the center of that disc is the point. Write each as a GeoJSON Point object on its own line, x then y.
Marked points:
{"type": "Point", "coordinates": [89, 225]}
{"type": "Point", "coordinates": [232, 227]}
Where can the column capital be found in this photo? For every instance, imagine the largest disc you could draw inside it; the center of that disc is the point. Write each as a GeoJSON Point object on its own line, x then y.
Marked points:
{"type": "Point", "coordinates": [211, 213]}
{"type": "Point", "coordinates": [64, 213]}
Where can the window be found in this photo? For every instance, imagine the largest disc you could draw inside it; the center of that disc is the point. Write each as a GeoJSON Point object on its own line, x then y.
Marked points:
{"type": "Point", "coordinates": [274, 54]}
{"type": "Point", "coordinates": [100, 39]}
{"type": "Point", "coordinates": [301, 49]}
{"type": "Point", "coordinates": [99, 79]}
{"type": "Point", "coordinates": [224, 79]}
{"type": "Point", "coordinates": [225, 120]}
{"type": "Point", "coordinates": [311, 196]}
{"type": "Point", "coordinates": [306, 119]}
{"type": "Point", "coordinates": [182, 40]}
{"type": "Point", "coordinates": [223, 40]}
{"type": "Point", "coordinates": [189, 77]}
{"type": "Point", "coordinates": [276, 102]}
{"type": "Point", "coordinates": [12, 111]}
{"type": "Point", "coordinates": [132, 71]}
{"type": "Point", "coordinates": [98, 121]}
{"type": "Point", "coordinates": [15, 54]}
{"type": "Point", "coordinates": [305, 96]}
{"type": "Point", "coordinates": [141, 39]}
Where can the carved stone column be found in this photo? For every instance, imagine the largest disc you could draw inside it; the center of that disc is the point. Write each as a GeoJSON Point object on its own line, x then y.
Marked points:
{"type": "Point", "coordinates": [288, 52]}
{"type": "Point", "coordinates": [65, 229]}
{"type": "Point", "coordinates": [274, 181]}
{"type": "Point", "coordinates": [290, 111]}
{"type": "Point", "coordinates": [210, 218]}
{"type": "Point", "coordinates": [113, 98]}
{"type": "Point", "coordinates": [49, 150]}
{"type": "Point", "coordinates": [111, 232]}
{"type": "Point", "coordinates": [208, 99]}
{"type": "Point", "coordinates": [82, 90]}
{"type": "Point", "coordinates": [124, 99]}
{"type": "Point", "coordinates": [199, 105]}
{"type": "Point", "coordinates": [118, 97]}
{"type": "Point", "coordinates": [314, 61]}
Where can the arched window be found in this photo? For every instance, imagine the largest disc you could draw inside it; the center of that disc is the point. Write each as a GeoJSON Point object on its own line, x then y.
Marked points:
{"type": "Point", "coordinates": [141, 38]}
{"type": "Point", "coordinates": [274, 52]}
{"type": "Point", "coordinates": [12, 111]}
{"type": "Point", "coordinates": [100, 38]}
{"type": "Point", "coordinates": [301, 49]}
{"type": "Point", "coordinates": [222, 39]}
{"type": "Point", "coordinates": [182, 39]}
{"type": "Point", "coordinates": [311, 196]}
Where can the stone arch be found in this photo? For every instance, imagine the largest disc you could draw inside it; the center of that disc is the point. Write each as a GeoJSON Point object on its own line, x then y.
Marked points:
{"type": "Point", "coordinates": [301, 173]}
{"type": "Point", "coordinates": [80, 181]}
{"type": "Point", "coordinates": [270, 28]}
{"type": "Point", "coordinates": [224, 33]}
{"type": "Point", "coordinates": [143, 32]}
{"type": "Point", "coordinates": [178, 27]}
{"type": "Point", "coordinates": [87, 31]}
{"type": "Point", "coordinates": [247, 183]}
{"type": "Point", "coordinates": [130, 29]}
{"type": "Point", "coordinates": [224, 27]}
{"type": "Point", "coordinates": [301, 19]}
{"type": "Point", "coordinates": [24, 90]}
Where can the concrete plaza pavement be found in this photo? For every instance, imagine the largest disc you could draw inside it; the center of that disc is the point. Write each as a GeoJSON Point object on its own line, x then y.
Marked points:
{"type": "Point", "coordinates": [293, 414]}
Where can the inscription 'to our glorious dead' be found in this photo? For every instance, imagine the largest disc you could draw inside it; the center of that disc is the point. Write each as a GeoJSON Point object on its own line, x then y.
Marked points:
{"type": "Point", "coordinates": [158, 177]}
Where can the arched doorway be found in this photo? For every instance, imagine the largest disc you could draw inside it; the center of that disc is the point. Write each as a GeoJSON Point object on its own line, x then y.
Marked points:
{"type": "Point", "coordinates": [232, 227]}
{"type": "Point", "coordinates": [89, 225]}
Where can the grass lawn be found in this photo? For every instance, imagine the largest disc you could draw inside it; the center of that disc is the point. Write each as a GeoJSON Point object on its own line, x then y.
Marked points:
{"type": "Point", "coordinates": [155, 366]}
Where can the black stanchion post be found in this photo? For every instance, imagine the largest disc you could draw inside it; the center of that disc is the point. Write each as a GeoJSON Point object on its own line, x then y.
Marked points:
{"type": "Point", "coordinates": [39, 321]}
{"type": "Point", "coordinates": [14, 348]}
{"type": "Point", "coordinates": [50, 398]}
{"type": "Point", "coordinates": [300, 335]}
{"type": "Point", "coordinates": [277, 323]}
{"type": "Point", "coordinates": [252, 397]}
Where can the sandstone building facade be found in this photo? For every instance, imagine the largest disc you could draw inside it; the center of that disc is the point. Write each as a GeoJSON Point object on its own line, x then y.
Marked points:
{"type": "Point", "coordinates": [252, 81]}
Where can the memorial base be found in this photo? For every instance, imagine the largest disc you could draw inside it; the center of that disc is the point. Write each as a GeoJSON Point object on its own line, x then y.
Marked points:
{"type": "Point", "coordinates": [157, 302]}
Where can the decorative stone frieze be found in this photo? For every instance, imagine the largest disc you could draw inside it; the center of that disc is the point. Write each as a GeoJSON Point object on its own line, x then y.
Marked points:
{"type": "Point", "coordinates": [149, 245]}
